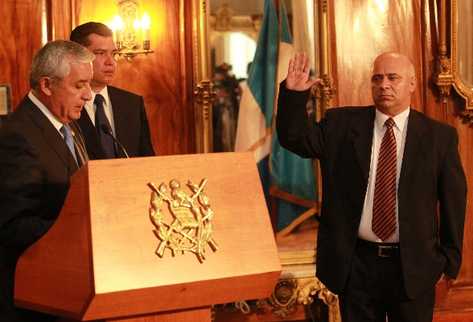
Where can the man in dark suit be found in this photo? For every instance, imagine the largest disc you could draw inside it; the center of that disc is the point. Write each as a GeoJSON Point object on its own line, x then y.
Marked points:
{"type": "Point", "coordinates": [112, 111]}
{"type": "Point", "coordinates": [394, 194]}
{"type": "Point", "coordinates": [40, 149]}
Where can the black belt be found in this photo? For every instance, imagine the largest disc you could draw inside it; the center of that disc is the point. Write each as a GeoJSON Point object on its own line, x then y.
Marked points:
{"type": "Point", "coordinates": [379, 249]}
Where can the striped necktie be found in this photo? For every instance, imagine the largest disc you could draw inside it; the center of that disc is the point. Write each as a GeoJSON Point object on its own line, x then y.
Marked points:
{"type": "Point", "coordinates": [384, 203]}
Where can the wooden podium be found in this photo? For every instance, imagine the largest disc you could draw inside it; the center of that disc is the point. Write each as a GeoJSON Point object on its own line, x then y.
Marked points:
{"type": "Point", "coordinates": [99, 261]}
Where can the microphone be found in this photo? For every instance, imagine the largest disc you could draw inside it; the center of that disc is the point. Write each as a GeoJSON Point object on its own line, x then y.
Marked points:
{"type": "Point", "coordinates": [107, 130]}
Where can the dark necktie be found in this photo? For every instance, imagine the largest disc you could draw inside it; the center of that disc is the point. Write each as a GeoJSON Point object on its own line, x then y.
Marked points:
{"type": "Point", "coordinates": [103, 128]}
{"type": "Point", "coordinates": [384, 203]}
{"type": "Point", "coordinates": [67, 134]}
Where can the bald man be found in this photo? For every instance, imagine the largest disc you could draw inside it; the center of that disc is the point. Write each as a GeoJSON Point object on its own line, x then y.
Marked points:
{"type": "Point", "coordinates": [394, 193]}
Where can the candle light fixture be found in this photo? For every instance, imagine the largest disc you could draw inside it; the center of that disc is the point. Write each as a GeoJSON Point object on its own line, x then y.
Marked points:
{"type": "Point", "coordinates": [131, 32]}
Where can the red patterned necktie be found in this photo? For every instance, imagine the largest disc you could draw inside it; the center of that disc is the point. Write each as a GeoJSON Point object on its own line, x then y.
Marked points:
{"type": "Point", "coordinates": [384, 203]}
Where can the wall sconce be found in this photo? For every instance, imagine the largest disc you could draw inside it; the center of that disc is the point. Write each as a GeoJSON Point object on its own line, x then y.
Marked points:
{"type": "Point", "coordinates": [131, 34]}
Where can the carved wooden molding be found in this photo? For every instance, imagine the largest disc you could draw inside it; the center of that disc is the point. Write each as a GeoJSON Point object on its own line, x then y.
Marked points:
{"type": "Point", "coordinates": [288, 293]}
{"type": "Point", "coordinates": [204, 97]}
{"type": "Point", "coordinates": [203, 91]}
{"type": "Point", "coordinates": [325, 92]}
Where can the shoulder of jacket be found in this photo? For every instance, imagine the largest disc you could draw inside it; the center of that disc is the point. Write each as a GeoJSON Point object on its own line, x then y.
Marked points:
{"type": "Point", "coordinates": [434, 124]}
{"type": "Point", "coordinates": [112, 90]}
{"type": "Point", "coordinates": [348, 111]}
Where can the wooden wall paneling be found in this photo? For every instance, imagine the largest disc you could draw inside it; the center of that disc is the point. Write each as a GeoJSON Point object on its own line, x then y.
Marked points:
{"type": "Point", "coordinates": [457, 303]}
{"type": "Point", "coordinates": [365, 29]}
{"type": "Point", "coordinates": [164, 77]}
{"type": "Point", "coordinates": [21, 37]}
{"type": "Point", "coordinates": [187, 73]}
{"type": "Point", "coordinates": [62, 18]}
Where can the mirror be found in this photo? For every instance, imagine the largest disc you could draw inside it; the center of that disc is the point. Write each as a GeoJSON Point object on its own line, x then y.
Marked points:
{"type": "Point", "coordinates": [455, 61]}
{"type": "Point", "coordinates": [234, 28]}
{"type": "Point", "coordinates": [233, 35]}
{"type": "Point", "coordinates": [218, 23]}
{"type": "Point", "coordinates": [464, 42]}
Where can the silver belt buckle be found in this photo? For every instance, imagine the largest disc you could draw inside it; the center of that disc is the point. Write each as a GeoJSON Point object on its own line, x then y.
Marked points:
{"type": "Point", "coordinates": [382, 251]}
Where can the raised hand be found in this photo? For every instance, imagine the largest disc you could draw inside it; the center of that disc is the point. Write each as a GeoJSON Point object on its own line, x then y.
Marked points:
{"type": "Point", "coordinates": [298, 74]}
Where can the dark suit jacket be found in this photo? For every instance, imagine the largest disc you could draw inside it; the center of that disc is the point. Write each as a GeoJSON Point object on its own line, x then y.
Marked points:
{"type": "Point", "coordinates": [431, 175]}
{"type": "Point", "coordinates": [35, 166]}
{"type": "Point", "coordinates": [131, 125]}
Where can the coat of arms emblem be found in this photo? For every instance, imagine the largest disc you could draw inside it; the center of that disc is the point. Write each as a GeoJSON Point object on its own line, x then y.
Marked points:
{"type": "Point", "coordinates": [186, 226]}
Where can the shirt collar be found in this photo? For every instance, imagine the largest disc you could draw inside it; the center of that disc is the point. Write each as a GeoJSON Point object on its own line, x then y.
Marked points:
{"type": "Point", "coordinates": [104, 93]}
{"type": "Point", "coordinates": [50, 116]}
{"type": "Point", "coordinates": [399, 120]}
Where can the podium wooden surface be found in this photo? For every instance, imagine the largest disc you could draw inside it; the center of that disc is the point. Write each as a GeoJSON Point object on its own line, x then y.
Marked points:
{"type": "Point", "coordinates": [98, 260]}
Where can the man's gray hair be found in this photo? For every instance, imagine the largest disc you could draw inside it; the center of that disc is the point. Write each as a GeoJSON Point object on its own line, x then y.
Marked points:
{"type": "Point", "coordinates": [54, 59]}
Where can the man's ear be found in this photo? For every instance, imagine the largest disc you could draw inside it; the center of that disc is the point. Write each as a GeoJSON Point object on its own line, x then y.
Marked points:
{"type": "Point", "coordinates": [45, 85]}
{"type": "Point", "coordinates": [412, 84]}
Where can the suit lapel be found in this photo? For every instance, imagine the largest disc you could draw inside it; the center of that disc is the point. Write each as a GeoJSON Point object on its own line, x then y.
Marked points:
{"type": "Point", "coordinates": [119, 117]}
{"type": "Point", "coordinates": [94, 148]}
{"type": "Point", "coordinates": [412, 150]}
{"type": "Point", "coordinates": [362, 138]}
{"type": "Point", "coordinates": [51, 136]}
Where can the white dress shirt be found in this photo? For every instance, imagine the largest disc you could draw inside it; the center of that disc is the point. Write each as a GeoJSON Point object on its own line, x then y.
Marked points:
{"type": "Point", "coordinates": [107, 106]}
{"type": "Point", "coordinates": [400, 130]}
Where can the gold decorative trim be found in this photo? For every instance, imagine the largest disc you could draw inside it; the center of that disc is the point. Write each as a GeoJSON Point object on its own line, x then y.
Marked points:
{"type": "Point", "coordinates": [288, 293]}
{"type": "Point", "coordinates": [467, 116]}
{"type": "Point", "coordinates": [462, 89]}
{"type": "Point", "coordinates": [313, 288]}
{"type": "Point", "coordinates": [204, 96]}
{"type": "Point", "coordinates": [326, 91]}
{"type": "Point", "coordinates": [284, 298]}
{"type": "Point", "coordinates": [444, 78]}
{"type": "Point", "coordinates": [447, 74]}
{"type": "Point", "coordinates": [324, 5]}
{"type": "Point", "coordinates": [444, 75]}
{"type": "Point", "coordinates": [203, 92]}
{"type": "Point", "coordinates": [191, 227]}
{"type": "Point", "coordinates": [240, 23]}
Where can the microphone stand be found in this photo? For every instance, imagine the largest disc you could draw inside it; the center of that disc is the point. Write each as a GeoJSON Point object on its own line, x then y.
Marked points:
{"type": "Point", "coordinates": [107, 130]}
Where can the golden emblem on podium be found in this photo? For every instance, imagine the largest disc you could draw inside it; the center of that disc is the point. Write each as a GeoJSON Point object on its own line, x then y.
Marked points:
{"type": "Point", "coordinates": [190, 218]}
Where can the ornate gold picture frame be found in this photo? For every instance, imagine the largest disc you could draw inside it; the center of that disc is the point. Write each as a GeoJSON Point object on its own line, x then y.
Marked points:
{"type": "Point", "coordinates": [451, 58]}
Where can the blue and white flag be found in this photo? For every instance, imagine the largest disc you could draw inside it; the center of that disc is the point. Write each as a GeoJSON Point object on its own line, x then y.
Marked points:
{"type": "Point", "coordinates": [255, 133]}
